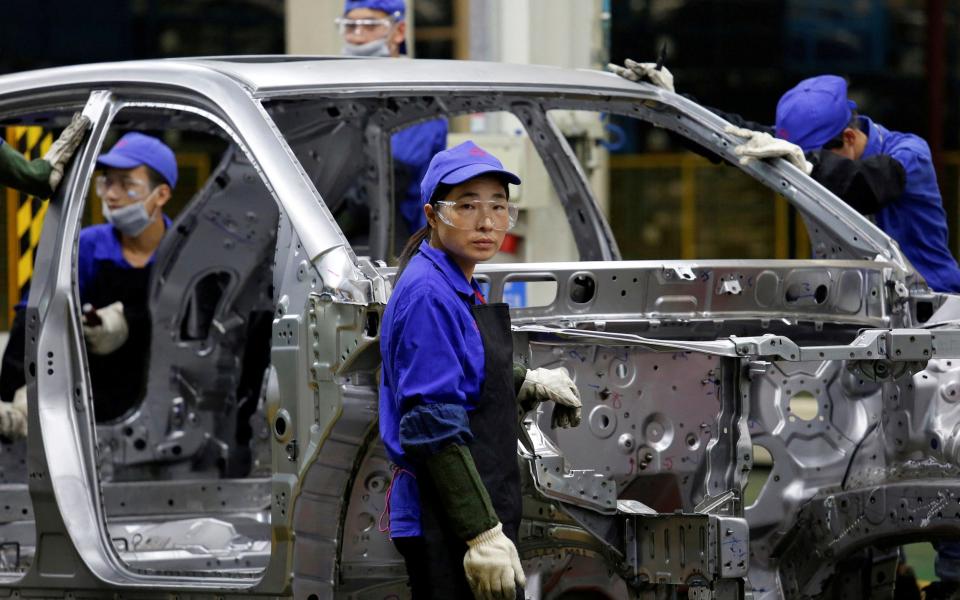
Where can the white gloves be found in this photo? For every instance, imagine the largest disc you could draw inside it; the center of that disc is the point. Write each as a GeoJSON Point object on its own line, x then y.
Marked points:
{"type": "Point", "coordinates": [634, 71]}
{"type": "Point", "coordinates": [761, 145]}
{"type": "Point", "coordinates": [492, 566]}
{"type": "Point", "coordinates": [112, 331]}
{"type": "Point", "coordinates": [553, 384]}
{"type": "Point", "coordinates": [63, 148]}
{"type": "Point", "coordinates": [13, 416]}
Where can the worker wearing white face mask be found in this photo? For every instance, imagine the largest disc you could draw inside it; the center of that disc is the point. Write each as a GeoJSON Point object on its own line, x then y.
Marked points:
{"type": "Point", "coordinates": [113, 270]}
{"type": "Point", "coordinates": [373, 28]}
{"type": "Point", "coordinates": [113, 267]}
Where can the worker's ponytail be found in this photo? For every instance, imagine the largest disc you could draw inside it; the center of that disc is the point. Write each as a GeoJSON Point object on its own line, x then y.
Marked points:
{"type": "Point", "coordinates": [411, 248]}
{"type": "Point", "coordinates": [423, 234]}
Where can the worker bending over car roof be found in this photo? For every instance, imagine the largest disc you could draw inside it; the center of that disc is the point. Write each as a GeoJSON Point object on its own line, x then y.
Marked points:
{"type": "Point", "coordinates": [887, 175]}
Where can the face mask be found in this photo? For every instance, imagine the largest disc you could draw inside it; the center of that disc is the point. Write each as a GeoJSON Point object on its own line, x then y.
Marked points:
{"type": "Point", "coordinates": [130, 220]}
{"type": "Point", "coordinates": [374, 48]}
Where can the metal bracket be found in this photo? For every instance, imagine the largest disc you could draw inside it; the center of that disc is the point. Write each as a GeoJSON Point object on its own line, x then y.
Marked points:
{"type": "Point", "coordinates": [767, 345]}
{"type": "Point", "coordinates": [580, 487]}
{"type": "Point", "coordinates": [730, 287]}
{"type": "Point", "coordinates": [679, 273]}
{"type": "Point", "coordinates": [909, 344]}
{"type": "Point", "coordinates": [716, 504]}
{"type": "Point", "coordinates": [687, 548]}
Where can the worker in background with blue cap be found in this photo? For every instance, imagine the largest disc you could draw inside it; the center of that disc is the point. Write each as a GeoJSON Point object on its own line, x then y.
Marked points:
{"type": "Point", "coordinates": [113, 269]}
{"type": "Point", "coordinates": [378, 28]}
{"type": "Point", "coordinates": [449, 392]}
{"type": "Point", "coordinates": [884, 174]}
{"type": "Point", "coordinates": [373, 28]}
{"type": "Point", "coordinates": [816, 114]}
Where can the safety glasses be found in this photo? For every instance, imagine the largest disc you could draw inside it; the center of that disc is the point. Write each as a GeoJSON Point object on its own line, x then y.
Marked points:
{"type": "Point", "coordinates": [131, 187]}
{"type": "Point", "coordinates": [361, 26]}
{"type": "Point", "coordinates": [470, 214]}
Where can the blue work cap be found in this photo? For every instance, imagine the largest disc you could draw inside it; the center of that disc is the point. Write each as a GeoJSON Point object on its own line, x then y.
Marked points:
{"type": "Point", "coordinates": [460, 163]}
{"type": "Point", "coordinates": [814, 112]}
{"type": "Point", "coordinates": [135, 149]}
{"type": "Point", "coordinates": [394, 8]}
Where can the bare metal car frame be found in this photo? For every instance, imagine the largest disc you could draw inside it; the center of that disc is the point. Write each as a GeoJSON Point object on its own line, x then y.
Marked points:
{"type": "Point", "coordinates": [684, 366]}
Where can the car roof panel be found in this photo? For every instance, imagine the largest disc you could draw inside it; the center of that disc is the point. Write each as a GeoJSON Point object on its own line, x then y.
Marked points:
{"type": "Point", "coordinates": [264, 75]}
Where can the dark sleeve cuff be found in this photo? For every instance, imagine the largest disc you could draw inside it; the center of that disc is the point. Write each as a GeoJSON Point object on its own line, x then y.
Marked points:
{"type": "Point", "coordinates": [519, 376]}
{"type": "Point", "coordinates": [429, 428]}
{"type": "Point", "coordinates": [867, 185]}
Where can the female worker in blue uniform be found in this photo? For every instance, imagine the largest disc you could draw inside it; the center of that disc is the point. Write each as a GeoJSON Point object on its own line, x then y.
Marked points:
{"type": "Point", "coordinates": [449, 394]}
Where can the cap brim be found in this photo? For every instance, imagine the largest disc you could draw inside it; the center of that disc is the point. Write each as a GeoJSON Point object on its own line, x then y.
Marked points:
{"type": "Point", "coordinates": [458, 176]}
{"type": "Point", "coordinates": [117, 161]}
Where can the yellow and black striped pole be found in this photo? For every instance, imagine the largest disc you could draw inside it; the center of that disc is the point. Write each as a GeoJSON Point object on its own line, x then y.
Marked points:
{"type": "Point", "coordinates": [24, 215]}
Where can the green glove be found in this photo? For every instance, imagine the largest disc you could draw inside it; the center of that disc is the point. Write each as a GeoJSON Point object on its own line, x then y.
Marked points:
{"type": "Point", "coordinates": [491, 563]}
{"type": "Point", "coordinates": [28, 176]}
{"type": "Point", "coordinates": [463, 496]}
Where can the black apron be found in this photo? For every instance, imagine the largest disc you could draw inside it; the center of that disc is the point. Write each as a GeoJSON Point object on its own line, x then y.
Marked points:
{"type": "Point", "coordinates": [435, 562]}
{"type": "Point", "coordinates": [119, 379]}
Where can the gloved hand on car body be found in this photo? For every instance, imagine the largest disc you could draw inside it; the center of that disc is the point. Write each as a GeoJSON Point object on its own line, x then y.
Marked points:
{"type": "Point", "coordinates": [40, 177]}
{"type": "Point", "coordinates": [758, 144]}
{"type": "Point", "coordinates": [63, 148]}
{"type": "Point", "coordinates": [762, 145]}
{"type": "Point", "coordinates": [542, 385]}
{"type": "Point", "coordinates": [658, 75]}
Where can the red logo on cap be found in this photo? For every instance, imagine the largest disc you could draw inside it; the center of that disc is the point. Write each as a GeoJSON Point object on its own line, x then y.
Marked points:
{"type": "Point", "coordinates": [783, 134]}
{"type": "Point", "coordinates": [477, 152]}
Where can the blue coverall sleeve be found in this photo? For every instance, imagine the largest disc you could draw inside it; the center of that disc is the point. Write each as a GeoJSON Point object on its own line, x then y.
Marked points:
{"type": "Point", "coordinates": [85, 265]}
{"type": "Point", "coordinates": [440, 137]}
{"type": "Point", "coordinates": [429, 355]}
{"type": "Point", "coordinates": [914, 154]}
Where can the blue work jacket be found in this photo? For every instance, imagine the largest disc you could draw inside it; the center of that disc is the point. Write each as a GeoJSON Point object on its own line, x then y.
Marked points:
{"type": "Point", "coordinates": [412, 149]}
{"type": "Point", "coordinates": [100, 245]}
{"type": "Point", "coordinates": [432, 373]}
{"type": "Point", "coordinates": [916, 220]}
